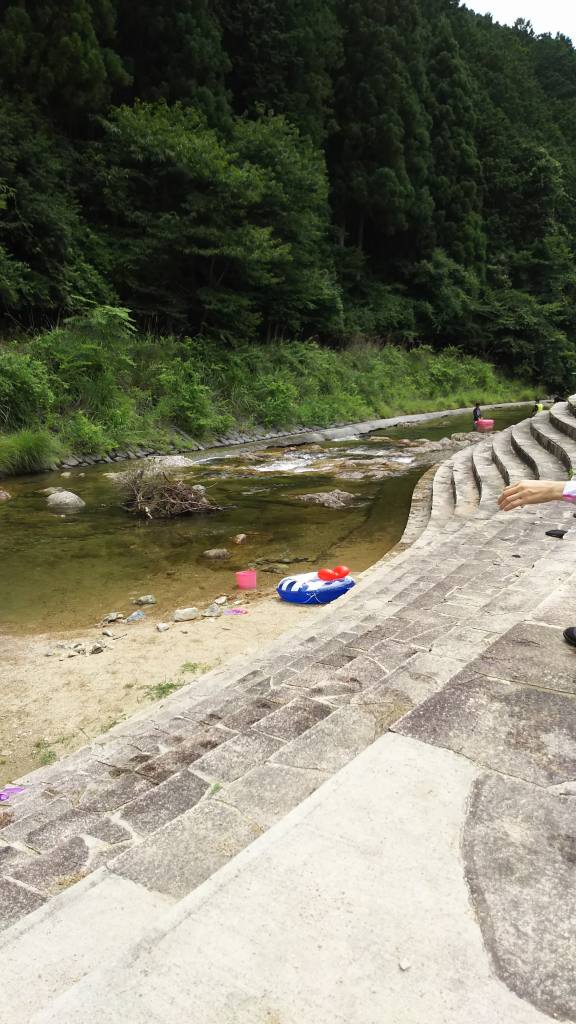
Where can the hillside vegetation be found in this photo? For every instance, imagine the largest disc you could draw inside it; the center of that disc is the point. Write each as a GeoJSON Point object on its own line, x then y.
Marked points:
{"type": "Point", "coordinates": [394, 179]}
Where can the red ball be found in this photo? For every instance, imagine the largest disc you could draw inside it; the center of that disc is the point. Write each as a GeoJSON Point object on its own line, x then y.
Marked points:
{"type": "Point", "coordinates": [326, 575]}
{"type": "Point", "coordinates": [341, 571]}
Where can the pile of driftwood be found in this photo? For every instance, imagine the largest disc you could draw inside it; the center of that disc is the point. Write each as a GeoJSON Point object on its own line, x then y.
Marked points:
{"type": "Point", "coordinates": [155, 495]}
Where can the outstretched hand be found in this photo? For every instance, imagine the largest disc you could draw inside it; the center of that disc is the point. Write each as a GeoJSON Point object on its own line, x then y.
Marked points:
{"type": "Point", "coordinates": [530, 492]}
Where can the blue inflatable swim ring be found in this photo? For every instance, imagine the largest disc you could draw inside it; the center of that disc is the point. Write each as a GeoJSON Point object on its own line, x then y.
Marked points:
{"type": "Point", "coordinates": [306, 588]}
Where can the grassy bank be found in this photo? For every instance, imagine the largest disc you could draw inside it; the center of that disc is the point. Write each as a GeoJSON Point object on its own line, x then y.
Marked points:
{"type": "Point", "coordinates": [96, 384]}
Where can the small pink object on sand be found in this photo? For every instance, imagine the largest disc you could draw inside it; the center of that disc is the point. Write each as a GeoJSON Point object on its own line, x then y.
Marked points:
{"type": "Point", "coordinates": [246, 579]}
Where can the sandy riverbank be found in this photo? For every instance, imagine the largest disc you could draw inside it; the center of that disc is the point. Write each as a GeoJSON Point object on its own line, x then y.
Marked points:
{"type": "Point", "coordinates": [53, 705]}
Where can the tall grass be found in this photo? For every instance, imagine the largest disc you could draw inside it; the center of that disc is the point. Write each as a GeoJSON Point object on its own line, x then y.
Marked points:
{"type": "Point", "coordinates": [27, 451]}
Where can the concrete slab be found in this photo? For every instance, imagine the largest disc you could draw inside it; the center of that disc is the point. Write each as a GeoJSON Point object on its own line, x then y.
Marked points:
{"type": "Point", "coordinates": [531, 653]}
{"type": "Point", "coordinates": [353, 910]}
{"type": "Point", "coordinates": [64, 940]}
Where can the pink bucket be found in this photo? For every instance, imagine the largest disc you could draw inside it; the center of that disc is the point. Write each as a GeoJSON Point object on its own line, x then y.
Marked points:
{"type": "Point", "coordinates": [246, 579]}
{"type": "Point", "coordinates": [485, 424]}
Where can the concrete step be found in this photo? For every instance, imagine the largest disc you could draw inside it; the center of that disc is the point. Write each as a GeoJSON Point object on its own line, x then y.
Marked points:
{"type": "Point", "coordinates": [571, 403]}
{"type": "Point", "coordinates": [380, 898]}
{"type": "Point", "coordinates": [57, 945]}
{"type": "Point", "coordinates": [511, 467]}
{"type": "Point", "coordinates": [562, 418]}
{"type": "Point", "coordinates": [543, 464]}
{"type": "Point", "coordinates": [555, 441]}
{"type": "Point", "coordinates": [488, 478]}
{"type": "Point", "coordinates": [443, 499]}
{"type": "Point", "coordinates": [466, 492]}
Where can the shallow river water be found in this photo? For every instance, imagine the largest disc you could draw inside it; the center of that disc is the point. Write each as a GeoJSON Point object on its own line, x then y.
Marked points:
{"type": "Point", "coordinates": [64, 571]}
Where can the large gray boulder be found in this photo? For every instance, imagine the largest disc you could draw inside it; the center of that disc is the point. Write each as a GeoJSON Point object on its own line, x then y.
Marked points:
{"type": "Point", "coordinates": [65, 500]}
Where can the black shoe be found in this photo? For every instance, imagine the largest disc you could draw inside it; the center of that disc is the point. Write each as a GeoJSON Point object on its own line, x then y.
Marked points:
{"type": "Point", "coordinates": [556, 533]}
{"type": "Point", "coordinates": [570, 635]}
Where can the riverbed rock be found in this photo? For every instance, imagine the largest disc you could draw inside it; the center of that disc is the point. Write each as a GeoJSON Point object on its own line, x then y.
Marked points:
{"type": "Point", "coordinates": [65, 499]}
{"type": "Point", "coordinates": [97, 648]}
{"type": "Point", "coordinates": [5, 496]}
{"type": "Point", "coordinates": [162, 626]}
{"type": "Point", "coordinates": [213, 611]}
{"type": "Point", "coordinates": [50, 490]}
{"type": "Point", "coordinates": [328, 499]}
{"type": "Point", "coordinates": [112, 617]}
{"type": "Point", "coordinates": [145, 599]}
{"type": "Point", "coordinates": [186, 614]}
{"type": "Point", "coordinates": [471, 437]}
{"type": "Point", "coordinates": [216, 554]}
{"type": "Point", "coordinates": [172, 461]}
{"type": "Point", "coordinates": [240, 538]}
{"type": "Point", "coordinates": [135, 617]}
{"type": "Point", "coordinates": [66, 474]}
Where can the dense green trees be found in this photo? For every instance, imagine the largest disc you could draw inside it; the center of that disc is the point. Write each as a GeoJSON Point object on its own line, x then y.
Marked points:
{"type": "Point", "coordinates": [243, 170]}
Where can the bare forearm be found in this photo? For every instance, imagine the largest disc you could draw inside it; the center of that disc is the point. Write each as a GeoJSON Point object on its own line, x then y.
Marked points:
{"type": "Point", "coordinates": [530, 492]}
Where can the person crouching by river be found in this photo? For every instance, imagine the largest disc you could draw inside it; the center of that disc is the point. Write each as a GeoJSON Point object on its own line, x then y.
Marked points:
{"type": "Point", "coordinates": [536, 492]}
{"type": "Point", "coordinates": [476, 415]}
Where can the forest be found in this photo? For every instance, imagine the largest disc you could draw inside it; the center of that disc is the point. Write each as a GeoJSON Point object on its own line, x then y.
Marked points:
{"type": "Point", "coordinates": [187, 183]}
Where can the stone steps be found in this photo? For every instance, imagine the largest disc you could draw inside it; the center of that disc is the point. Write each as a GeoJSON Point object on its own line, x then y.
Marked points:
{"type": "Point", "coordinates": [543, 464]}
{"type": "Point", "coordinates": [465, 487]}
{"type": "Point", "coordinates": [510, 466]}
{"type": "Point", "coordinates": [562, 418]}
{"type": "Point", "coordinates": [558, 444]}
{"type": "Point", "coordinates": [165, 800]}
{"type": "Point", "coordinates": [109, 992]}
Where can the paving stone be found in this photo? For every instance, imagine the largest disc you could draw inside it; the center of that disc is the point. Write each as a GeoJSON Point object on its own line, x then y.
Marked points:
{"type": "Point", "coordinates": [161, 768]}
{"type": "Point", "coordinates": [149, 812]}
{"type": "Point", "coordinates": [338, 659]}
{"type": "Point", "coordinates": [236, 757]}
{"type": "Point", "coordinates": [421, 633]}
{"type": "Point", "coordinates": [268, 792]}
{"type": "Point", "coordinates": [19, 829]}
{"type": "Point", "coordinates": [249, 713]}
{"type": "Point", "coordinates": [531, 653]}
{"type": "Point", "coordinates": [11, 857]}
{"type": "Point", "coordinates": [520, 856]}
{"type": "Point", "coordinates": [54, 871]}
{"type": "Point", "coordinates": [377, 634]}
{"type": "Point", "coordinates": [558, 610]}
{"type": "Point", "coordinates": [520, 730]}
{"type": "Point", "coordinates": [75, 823]}
{"type": "Point", "coordinates": [16, 902]}
{"type": "Point", "coordinates": [292, 719]}
{"type": "Point", "coordinates": [111, 793]}
{"type": "Point", "coordinates": [330, 744]}
{"type": "Point", "coordinates": [184, 853]}
{"type": "Point", "coordinates": [391, 655]}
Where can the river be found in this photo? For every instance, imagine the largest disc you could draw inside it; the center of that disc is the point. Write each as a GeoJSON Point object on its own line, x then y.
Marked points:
{"type": "Point", "coordinates": [66, 571]}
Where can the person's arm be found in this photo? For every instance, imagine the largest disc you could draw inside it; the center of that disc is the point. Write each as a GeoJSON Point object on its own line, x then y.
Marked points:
{"type": "Point", "coordinates": [535, 492]}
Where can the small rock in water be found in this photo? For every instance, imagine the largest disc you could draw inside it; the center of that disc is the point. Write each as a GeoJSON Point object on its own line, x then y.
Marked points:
{"type": "Point", "coordinates": [65, 499]}
{"type": "Point", "coordinates": [185, 614]}
{"type": "Point", "coordinates": [330, 499]}
{"type": "Point", "coordinates": [146, 599]}
{"type": "Point", "coordinates": [66, 474]}
{"type": "Point", "coordinates": [50, 490]}
{"type": "Point", "coordinates": [5, 496]}
{"type": "Point", "coordinates": [216, 553]}
{"type": "Point", "coordinates": [113, 617]}
{"type": "Point", "coordinates": [240, 538]}
{"type": "Point", "coordinates": [221, 600]}
{"type": "Point", "coordinates": [135, 617]}
{"type": "Point", "coordinates": [213, 611]}
{"type": "Point", "coordinates": [162, 626]}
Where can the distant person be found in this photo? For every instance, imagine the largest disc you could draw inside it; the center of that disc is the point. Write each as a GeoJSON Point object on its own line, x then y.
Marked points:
{"type": "Point", "coordinates": [536, 492]}
{"type": "Point", "coordinates": [538, 407]}
{"type": "Point", "coordinates": [476, 415]}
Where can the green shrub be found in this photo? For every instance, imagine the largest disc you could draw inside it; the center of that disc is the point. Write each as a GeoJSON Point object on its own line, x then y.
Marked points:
{"type": "Point", "coordinates": [188, 403]}
{"type": "Point", "coordinates": [25, 393]}
{"type": "Point", "coordinates": [85, 437]}
{"type": "Point", "coordinates": [28, 451]}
